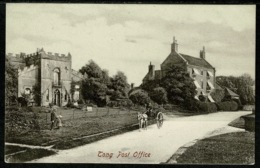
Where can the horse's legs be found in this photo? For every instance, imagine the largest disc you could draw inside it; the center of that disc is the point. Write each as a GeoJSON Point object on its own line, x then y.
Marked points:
{"type": "Point", "coordinates": [140, 126]}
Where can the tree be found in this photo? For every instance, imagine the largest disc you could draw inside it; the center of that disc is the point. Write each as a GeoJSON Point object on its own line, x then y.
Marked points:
{"type": "Point", "coordinates": [11, 83]}
{"type": "Point", "coordinates": [140, 97]}
{"type": "Point", "coordinates": [93, 89]}
{"type": "Point", "coordinates": [179, 86]}
{"type": "Point", "coordinates": [119, 85]}
{"type": "Point", "coordinates": [149, 86]}
{"type": "Point", "coordinates": [242, 85]}
{"type": "Point", "coordinates": [92, 70]}
{"type": "Point", "coordinates": [159, 95]}
{"type": "Point", "coordinates": [36, 91]}
{"type": "Point", "coordinates": [245, 90]}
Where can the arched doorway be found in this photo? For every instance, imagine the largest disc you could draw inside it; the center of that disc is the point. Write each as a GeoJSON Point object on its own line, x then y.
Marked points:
{"type": "Point", "coordinates": [56, 100]}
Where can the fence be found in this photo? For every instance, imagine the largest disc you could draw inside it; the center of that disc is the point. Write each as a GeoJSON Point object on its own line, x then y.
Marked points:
{"type": "Point", "coordinates": [71, 114]}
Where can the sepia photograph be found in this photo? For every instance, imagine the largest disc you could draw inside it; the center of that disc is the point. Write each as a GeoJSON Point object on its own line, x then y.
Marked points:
{"type": "Point", "coordinates": [130, 83]}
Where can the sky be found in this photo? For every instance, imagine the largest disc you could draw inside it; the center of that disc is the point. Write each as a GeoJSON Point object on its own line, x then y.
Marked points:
{"type": "Point", "coordinates": [128, 37]}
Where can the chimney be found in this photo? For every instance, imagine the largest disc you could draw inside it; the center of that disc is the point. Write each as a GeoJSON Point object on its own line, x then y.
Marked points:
{"type": "Point", "coordinates": [132, 85]}
{"type": "Point", "coordinates": [151, 71]}
{"type": "Point", "coordinates": [202, 53]}
{"type": "Point", "coordinates": [174, 45]}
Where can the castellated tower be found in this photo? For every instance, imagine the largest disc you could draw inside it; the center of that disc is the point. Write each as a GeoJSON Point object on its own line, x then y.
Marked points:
{"type": "Point", "coordinates": [50, 72]}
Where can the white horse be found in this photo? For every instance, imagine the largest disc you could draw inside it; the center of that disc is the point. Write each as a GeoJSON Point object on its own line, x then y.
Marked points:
{"type": "Point", "coordinates": [143, 120]}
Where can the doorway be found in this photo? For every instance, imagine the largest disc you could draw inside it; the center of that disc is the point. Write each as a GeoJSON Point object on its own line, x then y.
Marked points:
{"type": "Point", "coordinates": [56, 97]}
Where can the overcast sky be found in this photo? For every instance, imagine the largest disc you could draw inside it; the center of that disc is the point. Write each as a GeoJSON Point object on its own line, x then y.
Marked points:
{"type": "Point", "coordinates": [128, 37]}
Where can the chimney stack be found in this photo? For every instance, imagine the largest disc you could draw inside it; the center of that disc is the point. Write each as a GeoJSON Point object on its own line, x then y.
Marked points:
{"type": "Point", "coordinates": [132, 85]}
{"type": "Point", "coordinates": [174, 45]}
{"type": "Point", "coordinates": [202, 53]}
{"type": "Point", "coordinates": [151, 71]}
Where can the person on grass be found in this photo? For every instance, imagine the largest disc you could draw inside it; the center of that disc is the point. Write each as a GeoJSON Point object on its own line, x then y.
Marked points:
{"type": "Point", "coordinates": [54, 117]}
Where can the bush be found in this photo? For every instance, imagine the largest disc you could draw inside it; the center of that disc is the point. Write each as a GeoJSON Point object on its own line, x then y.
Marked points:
{"type": "Point", "coordinates": [227, 106]}
{"type": "Point", "coordinates": [202, 98]}
{"type": "Point", "coordinates": [167, 107]}
{"type": "Point", "coordinates": [140, 97]}
{"type": "Point", "coordinates": [80, 101]}
{"type": "Point", "coordinates": [203, 107]}
{"type": "Point", "coordinates": [207, 107]}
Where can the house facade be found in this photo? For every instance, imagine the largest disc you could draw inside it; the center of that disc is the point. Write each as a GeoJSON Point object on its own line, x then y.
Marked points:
{"type": "Point", "coordinates": [52, 73]}
{"type": "Point", "coordinates": [199, 69]}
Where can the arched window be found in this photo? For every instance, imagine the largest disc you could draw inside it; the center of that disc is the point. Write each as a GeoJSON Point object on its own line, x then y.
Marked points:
{"type": "Point", "coordinates": [56, 76]}
{"type": "Point", "coordinates": [47, 95]}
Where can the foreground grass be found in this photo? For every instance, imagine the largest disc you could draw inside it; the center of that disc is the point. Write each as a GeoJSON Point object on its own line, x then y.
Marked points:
{"type": "Point", "coordinates": [238, 123]}
{"type": "Point", "coordinates": [72, 129]}
{"type": "Point", "coordinates": [231, 148]}
{"type": "Point", "coordinates": [26, 154]}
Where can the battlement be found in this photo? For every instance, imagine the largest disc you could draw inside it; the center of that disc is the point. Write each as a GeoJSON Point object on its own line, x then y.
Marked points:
{"type": "Point", "coordinates": [26, 69]}
{"type": "Point", "coordinates": [32, 55]}
{"type": "Point", "coordinates": [57, 56]}
{"type": "Point", "coordinates": [22, 57]}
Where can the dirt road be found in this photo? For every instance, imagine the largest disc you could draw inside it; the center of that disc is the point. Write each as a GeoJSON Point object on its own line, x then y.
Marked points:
{"type": "Point", "coordinates": [149, 146]}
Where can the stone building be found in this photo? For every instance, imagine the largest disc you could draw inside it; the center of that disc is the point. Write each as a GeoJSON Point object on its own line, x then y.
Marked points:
{"type": "Point", "coordinates": [199, 69]}
{"type": "Point", "coordinates": [52, 73]}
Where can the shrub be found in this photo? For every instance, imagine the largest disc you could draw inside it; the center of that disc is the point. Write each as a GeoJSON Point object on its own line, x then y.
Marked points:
{"type": "Point", "coordinates": [202, 98]}
{"type": "Point", "coordinates": [207, 107]}
{"type": "Point", "coordinates": [140, 97]}
{"type": "Point", "coordinates": [167, 107]}
{"type": "Point", "coordinates": [227, 106]}
{"type": "Point", "coordinates": [80, 101]}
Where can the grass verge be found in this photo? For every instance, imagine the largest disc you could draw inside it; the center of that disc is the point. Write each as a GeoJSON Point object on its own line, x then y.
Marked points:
{"type": "Point", "coordinates": [231, 148]}
{"type": "Point", "coordinates": [27, 155]}
{"type": "Point", "coordinates": [238, 123]}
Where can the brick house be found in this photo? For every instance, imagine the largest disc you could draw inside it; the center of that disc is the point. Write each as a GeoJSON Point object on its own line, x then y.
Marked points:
{"type": "Point", "coordinates": [51, 72]}
{"type": "Point", "coordinates": [199, 69]}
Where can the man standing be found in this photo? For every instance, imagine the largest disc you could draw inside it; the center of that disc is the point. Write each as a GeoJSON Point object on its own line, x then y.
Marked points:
{"type": "Point", "coordinates": [54, 116]}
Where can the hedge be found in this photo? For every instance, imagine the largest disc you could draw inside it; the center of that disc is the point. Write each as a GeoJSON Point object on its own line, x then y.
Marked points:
{"type": "Point", "coordinates": [227, 106]}
{"type": "Point", "coordinates": [207, 107]}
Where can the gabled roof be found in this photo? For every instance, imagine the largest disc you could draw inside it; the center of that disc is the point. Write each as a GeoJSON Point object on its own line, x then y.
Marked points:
{"type": "Point", "coordinates": [218, 87]}
{"type": "Point", "coordinates": [196, 61]}
{"type": "Point", "coordinates": [231, 93]}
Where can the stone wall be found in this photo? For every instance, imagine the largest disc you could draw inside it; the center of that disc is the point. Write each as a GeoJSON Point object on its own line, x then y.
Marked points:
{"type": "Point", "coordinates": [47, 78]}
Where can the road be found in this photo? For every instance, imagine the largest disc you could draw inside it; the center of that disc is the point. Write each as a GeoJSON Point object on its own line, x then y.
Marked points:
{"type": "Point", "coordinates": [151, 146]}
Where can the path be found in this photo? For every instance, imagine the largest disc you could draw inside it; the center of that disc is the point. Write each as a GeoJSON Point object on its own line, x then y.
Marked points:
{"type": "Point", "coordinates": [160, 143]}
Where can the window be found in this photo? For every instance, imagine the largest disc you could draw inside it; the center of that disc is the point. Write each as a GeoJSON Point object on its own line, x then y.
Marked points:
{"type": "Point", "coordinates": [201, 72]}
{"type": "Point", "coordinates": [56, 76]}
{"type": "Point", "coordinates": [47, 95]}
{"type": "Point", "coordinates": [66, 96]}
{"type": "Point", "coordinates": [201, 84]}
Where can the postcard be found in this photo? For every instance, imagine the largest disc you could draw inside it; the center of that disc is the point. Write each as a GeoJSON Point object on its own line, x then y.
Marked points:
{"type": "Point", "coordinates": [130, 83]}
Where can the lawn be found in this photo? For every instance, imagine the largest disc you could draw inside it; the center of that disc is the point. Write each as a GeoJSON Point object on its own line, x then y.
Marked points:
{"type": "Point", "coordinates": [24, 154]}
{"type": "Point", "coordinates": [231, 148]}
{"type": "Point", "coordinates": [238, 123]}
{"type": "Point", "coordinates": [79, 128]}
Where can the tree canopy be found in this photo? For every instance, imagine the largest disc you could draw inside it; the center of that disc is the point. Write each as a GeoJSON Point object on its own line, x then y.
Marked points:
{"type": "Point", "coordinates": [242, 85]}
{"type": "Point", "coordinates": [179, 85]}
{"type": "Point", "coordinates": [99, 87]}
{"type": "Point", "coordinates": [11, 82]}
